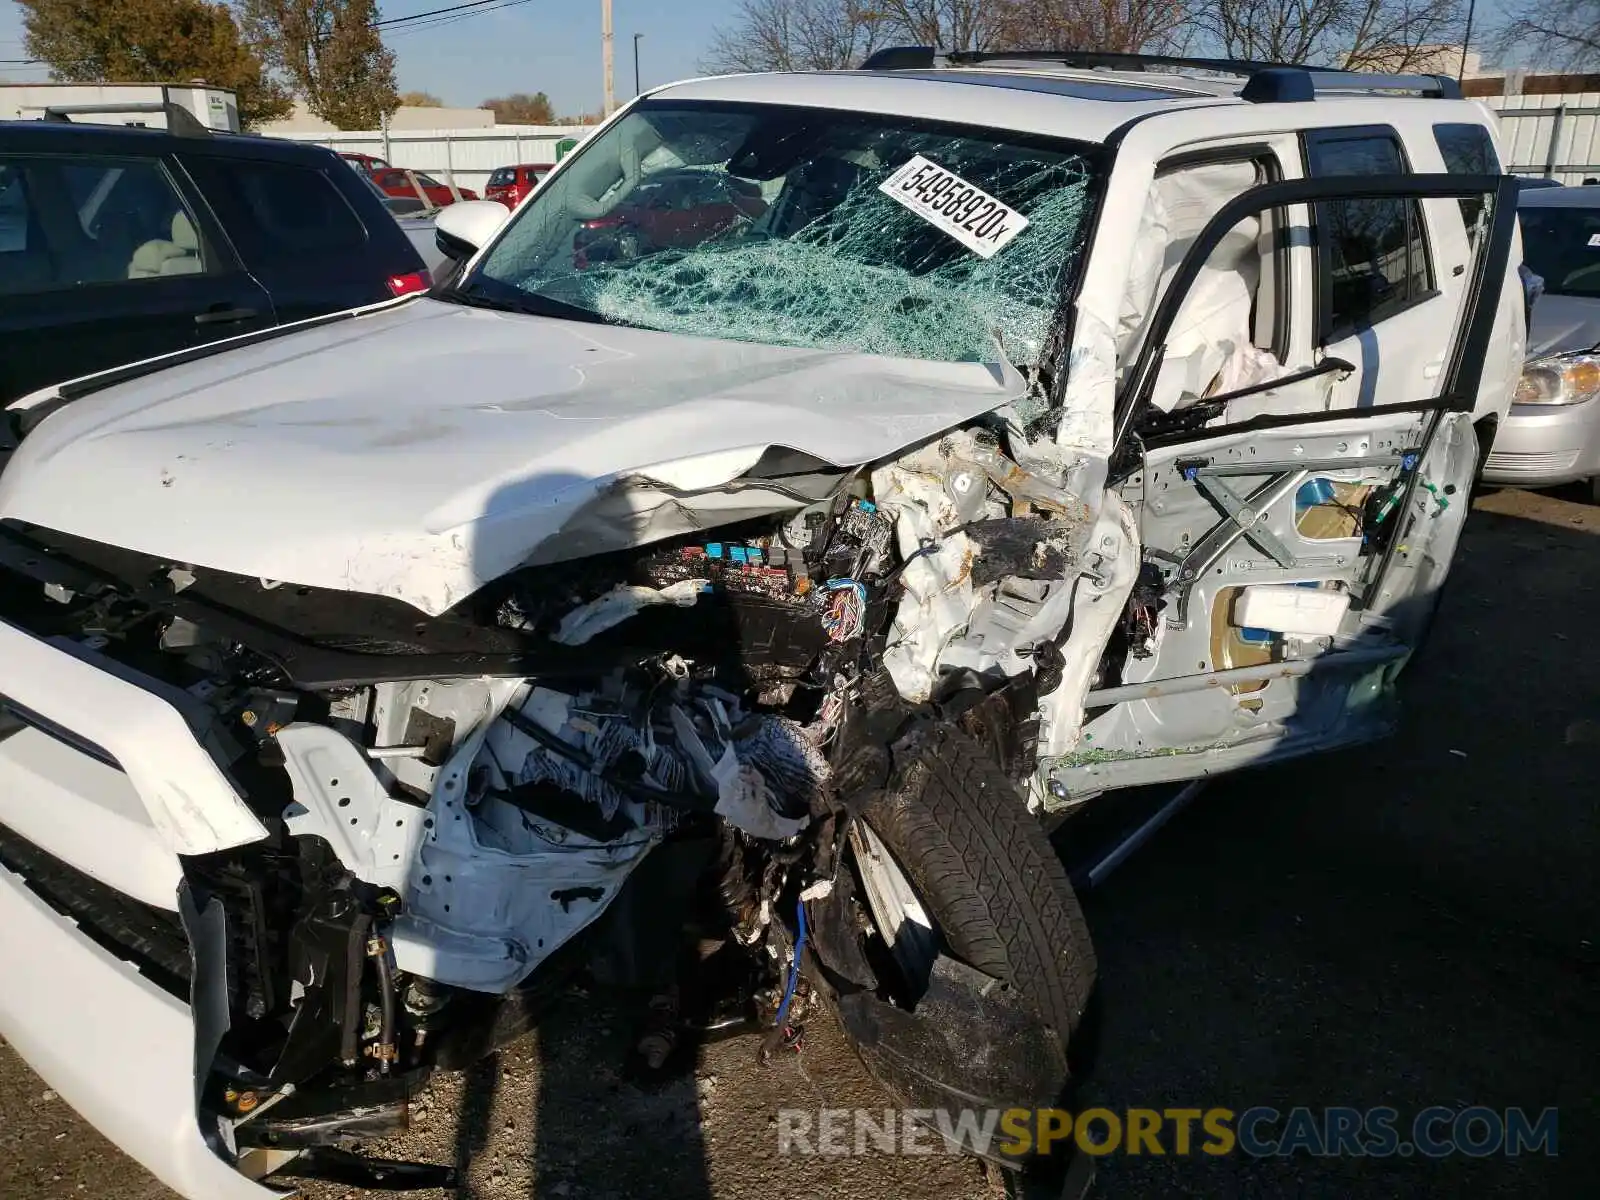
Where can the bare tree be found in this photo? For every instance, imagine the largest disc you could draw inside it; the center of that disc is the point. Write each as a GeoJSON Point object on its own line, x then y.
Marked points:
{"type": "Point", "coordinates": [947, 24]}
{"type": "Point", "coordinates": [797, 35]}
{"type": "Point", "coordinates": [1562, 33]}
{"type": "Point", "coordinates": [801, 35]}
{"type": "Point", "coordinates": [1118, 25]}
{"type": "Point", "coordinates": [1388, 35]}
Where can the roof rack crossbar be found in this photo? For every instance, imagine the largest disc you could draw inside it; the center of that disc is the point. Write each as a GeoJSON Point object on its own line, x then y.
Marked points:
{"type": "Point", "coordinates": [180, 120]}
{"type": "Point", "coordinates": [1265, 81]}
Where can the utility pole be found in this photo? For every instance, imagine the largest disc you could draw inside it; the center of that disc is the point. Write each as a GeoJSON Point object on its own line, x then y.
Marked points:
{"type": "Point", "coordinates": [636, 38]}
{"type": "Point", "coordinates": [1466, 39]}
{"type": "Point", "coordinates": [605, 56]}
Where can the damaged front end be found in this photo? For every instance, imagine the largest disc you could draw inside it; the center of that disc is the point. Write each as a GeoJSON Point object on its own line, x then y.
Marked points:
{"type": "Point", "coordinates": [446, 803]}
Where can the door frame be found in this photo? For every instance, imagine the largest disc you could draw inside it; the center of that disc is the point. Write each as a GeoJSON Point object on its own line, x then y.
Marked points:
{"type": "Point", "coordinates": [1455, 398]}
{"type": "Point", "coordinates": [1458, 392]}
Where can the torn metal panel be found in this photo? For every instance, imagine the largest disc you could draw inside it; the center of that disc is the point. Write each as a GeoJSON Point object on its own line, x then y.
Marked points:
{"type": "Point", "coordinates": [337, 797]}
{"type": "Point", "coordinates": [952, 501]}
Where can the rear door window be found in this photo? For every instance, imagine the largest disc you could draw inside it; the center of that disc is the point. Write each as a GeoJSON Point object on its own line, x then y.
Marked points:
{"type": "Point", "coordinates": [1373, 253]}
{"type": "Point", "coordinates": [1468, 150]}
{"type": "Point", "coordinates": [72, 222]}
{"type": "Point", "coordinates": [281, 213]}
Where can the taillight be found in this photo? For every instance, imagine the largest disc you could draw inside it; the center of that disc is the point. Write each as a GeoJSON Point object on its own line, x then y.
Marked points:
{"type": "Point", "coordinates": [410, 283]}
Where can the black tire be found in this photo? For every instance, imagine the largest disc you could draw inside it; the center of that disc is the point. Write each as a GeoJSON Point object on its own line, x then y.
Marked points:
{"type": "Point", "coordinates": [983, 868]}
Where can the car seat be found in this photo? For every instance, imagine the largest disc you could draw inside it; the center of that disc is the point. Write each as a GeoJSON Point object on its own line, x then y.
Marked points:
{"type": "Point", "coordinates": [180, 256]}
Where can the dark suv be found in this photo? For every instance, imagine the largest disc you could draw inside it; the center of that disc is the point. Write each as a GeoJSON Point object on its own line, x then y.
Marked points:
{"type": "Point", "coordinates": [120, 243]}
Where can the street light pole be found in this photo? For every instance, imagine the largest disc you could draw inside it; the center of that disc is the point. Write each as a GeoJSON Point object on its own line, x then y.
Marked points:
{"type": "Point", "coordinates": [1466, 39]}
{"type": "Point", "coordinates": [636, 38]}
{"type": "Point", "coordinates": [605, 56]}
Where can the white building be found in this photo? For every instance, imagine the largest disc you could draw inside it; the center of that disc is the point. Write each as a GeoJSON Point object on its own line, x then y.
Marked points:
{"type": "Point", "coordinates": [406, 118]}
{"type": "Point", "coordinates": [120, 103]}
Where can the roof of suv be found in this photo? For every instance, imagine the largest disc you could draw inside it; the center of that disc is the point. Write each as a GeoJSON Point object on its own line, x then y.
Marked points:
{"type": "Point", "coordinates": [60, 137]}
{"type": "Point", "coordinates": [1023, 94]}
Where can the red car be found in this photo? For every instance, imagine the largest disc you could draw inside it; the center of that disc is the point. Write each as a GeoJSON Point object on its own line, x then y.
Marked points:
{"type": "Point", "coordinates": [510, 184]}
{"type": "Point", "coordinates": [393, 181]}
{"type": "Point", "coordinates": [672, 210]}
{"type": "Point", "coordinates": [365, 163]}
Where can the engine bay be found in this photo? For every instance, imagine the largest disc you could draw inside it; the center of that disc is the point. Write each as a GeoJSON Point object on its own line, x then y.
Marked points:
{"type": "Point", "coordinates": [450, 801]}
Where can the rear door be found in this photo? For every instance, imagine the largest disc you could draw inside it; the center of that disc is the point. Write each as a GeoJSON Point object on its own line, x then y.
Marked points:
{"type": "Point", "coordinates": [299, 230]}
{"type": "Point", "coordinates": [1290, 559]}
{"type": "Point", "coordinates": [1389, 271]}
{"type": "Point", "coordinates": [104, 260]}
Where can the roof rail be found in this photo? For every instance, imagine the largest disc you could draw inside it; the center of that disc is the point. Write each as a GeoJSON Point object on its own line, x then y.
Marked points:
{"type": "Point", "coordinates": [1266, 82]}
{"type": "Point", "coordinates": [180, 120]}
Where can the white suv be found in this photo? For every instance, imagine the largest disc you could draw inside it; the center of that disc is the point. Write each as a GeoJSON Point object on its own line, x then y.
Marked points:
{"type": "Point", "coordinates": [955, 440]}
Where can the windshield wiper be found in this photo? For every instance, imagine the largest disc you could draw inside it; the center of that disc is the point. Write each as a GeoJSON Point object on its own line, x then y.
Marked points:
{"type": "Point", "coordinates": [515, 300]}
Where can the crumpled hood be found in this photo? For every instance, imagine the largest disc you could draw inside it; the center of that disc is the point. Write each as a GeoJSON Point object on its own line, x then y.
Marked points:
{"type": "Point", "coordinates": [1560, 324]}
{"type": "Point", "coordinates": [423, 450]}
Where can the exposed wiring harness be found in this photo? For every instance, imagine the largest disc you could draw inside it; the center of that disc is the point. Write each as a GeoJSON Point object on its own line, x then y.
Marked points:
{"type": "Point", "coordinates": [847, 609]}
{"type": "Point", "coordinates": [794, 967]}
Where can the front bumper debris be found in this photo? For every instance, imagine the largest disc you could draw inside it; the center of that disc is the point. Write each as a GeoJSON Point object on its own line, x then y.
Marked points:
{"type": "Point", "coordinates": [115, 1045]}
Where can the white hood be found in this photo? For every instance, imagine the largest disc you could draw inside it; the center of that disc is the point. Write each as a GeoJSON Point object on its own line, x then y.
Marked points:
{"type": "Point", "coordinates": [423, 450]}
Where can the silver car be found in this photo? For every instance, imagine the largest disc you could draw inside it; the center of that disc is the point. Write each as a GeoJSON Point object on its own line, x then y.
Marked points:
{"type": "Point", "coordinates": [1552, 433]}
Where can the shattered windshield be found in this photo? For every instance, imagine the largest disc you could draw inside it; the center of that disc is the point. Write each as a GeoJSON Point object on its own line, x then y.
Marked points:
{"type": "Point", "coordinates": [808, 228]}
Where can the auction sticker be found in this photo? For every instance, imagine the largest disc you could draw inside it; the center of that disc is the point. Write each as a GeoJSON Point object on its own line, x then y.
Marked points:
{"type": "Point", "coordinates": [943, 199]}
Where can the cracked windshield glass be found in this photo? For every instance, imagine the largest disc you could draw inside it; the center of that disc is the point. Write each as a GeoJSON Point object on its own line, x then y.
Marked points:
{"type": "Point", "coordinates": [806, 228]}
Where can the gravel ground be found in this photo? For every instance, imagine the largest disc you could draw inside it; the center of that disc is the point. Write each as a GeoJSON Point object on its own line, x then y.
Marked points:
{"type": "Point", "coordinates": [1410, 923]}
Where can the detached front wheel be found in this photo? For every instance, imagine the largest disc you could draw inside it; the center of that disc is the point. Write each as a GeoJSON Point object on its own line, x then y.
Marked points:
{"type": "Point", "coordinates": [958, 957]}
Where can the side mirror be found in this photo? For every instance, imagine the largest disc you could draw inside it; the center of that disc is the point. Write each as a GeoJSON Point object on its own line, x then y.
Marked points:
{"type": "Point", "coordinates": [463, 228]}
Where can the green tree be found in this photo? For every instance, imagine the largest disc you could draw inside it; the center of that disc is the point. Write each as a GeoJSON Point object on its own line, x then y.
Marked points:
{"type": "Point", "coordinates": [330, 54]}
{"type": "Point", "coordinates": [522, 109]}
{"type": "Point", "coordinates": [152, 41]}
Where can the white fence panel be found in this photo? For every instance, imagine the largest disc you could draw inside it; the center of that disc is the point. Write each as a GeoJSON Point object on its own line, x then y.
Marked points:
{"type": "Point", "coordinates": [1557, 136]}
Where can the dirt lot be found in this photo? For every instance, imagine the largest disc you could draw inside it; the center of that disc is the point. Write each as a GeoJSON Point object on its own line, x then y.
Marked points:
{"type": "Point", "coordinates": [1410, 924]}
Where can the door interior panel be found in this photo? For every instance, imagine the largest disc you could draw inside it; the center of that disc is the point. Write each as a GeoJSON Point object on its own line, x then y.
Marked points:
{"type": "Point", "coordinates": [1313, 507]}
{"type": "Point", "coordinates": [1291, 561]}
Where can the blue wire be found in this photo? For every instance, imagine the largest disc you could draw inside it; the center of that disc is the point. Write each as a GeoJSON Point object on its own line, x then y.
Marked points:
{"type": "Point", "coordinates": [794, 967]}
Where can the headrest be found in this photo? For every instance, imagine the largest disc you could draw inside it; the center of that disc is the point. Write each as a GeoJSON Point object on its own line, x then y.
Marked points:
{"type": "Point", "coordinates": [183, 232]}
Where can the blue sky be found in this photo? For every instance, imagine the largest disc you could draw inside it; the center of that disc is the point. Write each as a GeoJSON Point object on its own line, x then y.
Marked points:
{"type": "Point", "coordinates": [551, 46]}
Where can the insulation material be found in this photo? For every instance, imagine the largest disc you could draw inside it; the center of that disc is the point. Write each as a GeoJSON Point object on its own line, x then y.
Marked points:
{"type": "Point", "coordinates": [1326, 509]}
{"type": "Point", "coordinates": [866, 276]}
{"type": "Point", "coordinates": [620, 603]}
{"type": "Point", "coordinates": [937, 580]}
{"type": "Point", "coordinates": [764, 771]}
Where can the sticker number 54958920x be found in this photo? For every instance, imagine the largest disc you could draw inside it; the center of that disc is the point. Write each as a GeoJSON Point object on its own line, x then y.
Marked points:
{"type": "Point", "coordinates": [942, 198]}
